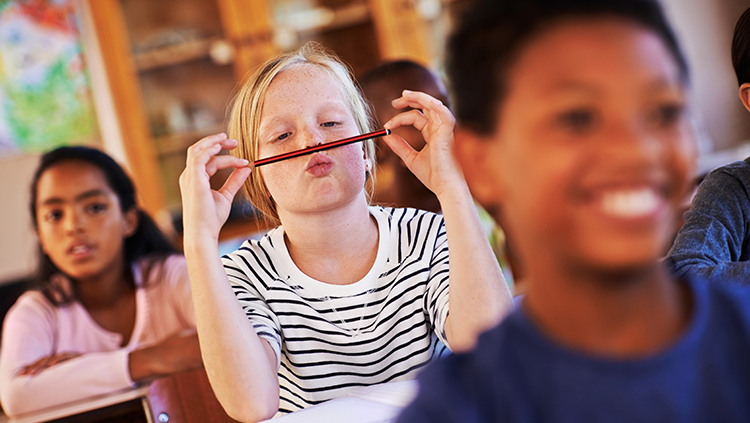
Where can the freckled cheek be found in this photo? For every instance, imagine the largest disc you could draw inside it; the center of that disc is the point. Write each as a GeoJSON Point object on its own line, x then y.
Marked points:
{"type": "Point", "coordinates": [279, 177]}
{"type": "Point", "coordinates": [351, 156]}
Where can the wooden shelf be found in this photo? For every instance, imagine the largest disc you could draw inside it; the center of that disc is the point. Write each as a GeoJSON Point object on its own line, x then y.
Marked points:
{"type": "Point", "coordinates": [177, 143]}
{"type": "Point", "coordinates": [343, 17]}
{"type": "Point", "coordinates": [176, 54]}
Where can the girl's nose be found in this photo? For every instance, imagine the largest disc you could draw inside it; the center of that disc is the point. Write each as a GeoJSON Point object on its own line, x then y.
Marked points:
{"type": "Point", "coordinates": [311, 137]}
{"type": "Point", "coordinates": [74, 222]}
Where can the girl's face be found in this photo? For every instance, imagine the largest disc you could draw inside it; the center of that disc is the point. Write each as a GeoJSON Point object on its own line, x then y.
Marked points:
{"type": "Point", "coordinates": [305, 106]}
{"type": "Point", "coordinates": [593, 149]}
{"type": "Point", "coordinates": [79, 221]}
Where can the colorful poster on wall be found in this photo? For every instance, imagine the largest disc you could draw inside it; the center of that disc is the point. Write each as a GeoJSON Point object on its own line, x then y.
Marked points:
{"type": "Point", "coordinates": [45, 90]}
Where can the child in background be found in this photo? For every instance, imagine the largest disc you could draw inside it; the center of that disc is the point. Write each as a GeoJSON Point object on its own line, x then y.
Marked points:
{"type": "Point", "coordinates": [113, 305]}
{"type": "Point", "coordinates": [573, 114]}
{"type": "Point", "coordinates": [396, 185]}
{"type": "Point", "coordinates": [341, 294]}
{"type": "Point", "coordinates": [714, 241]}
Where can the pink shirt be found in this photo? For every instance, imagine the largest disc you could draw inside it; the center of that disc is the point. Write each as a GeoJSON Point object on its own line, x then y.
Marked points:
{"type": "Point", "coordinates": [34, 328]}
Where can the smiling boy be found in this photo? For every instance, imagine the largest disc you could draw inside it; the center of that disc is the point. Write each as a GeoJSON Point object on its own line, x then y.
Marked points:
{"type": "Point", "coordinates": [574, 121]}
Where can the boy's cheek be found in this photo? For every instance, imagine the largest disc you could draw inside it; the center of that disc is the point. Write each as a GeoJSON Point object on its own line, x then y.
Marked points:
{"type": "Point", "coordinates": [480, 166]}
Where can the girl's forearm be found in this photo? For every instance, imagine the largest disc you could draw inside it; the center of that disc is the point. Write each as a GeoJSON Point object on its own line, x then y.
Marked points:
{"type": "Point", "coordinates": [83, 377]}
{"type": "Point", "coordinates": [479, 296]}
{"type": "Point", "coordinates": [240, 366]}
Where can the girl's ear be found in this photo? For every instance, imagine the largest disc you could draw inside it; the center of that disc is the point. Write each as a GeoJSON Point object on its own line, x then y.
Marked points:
{"type": "Point", "coordinates": [131, 221]}
{"type": "Point", "coordinates": [745, 95]}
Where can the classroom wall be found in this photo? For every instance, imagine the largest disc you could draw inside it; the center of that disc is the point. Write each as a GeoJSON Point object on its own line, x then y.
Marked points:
{"type": "Point", "coordinates": [705, 28]}
{"type": "Point", "coordinates": [17, 241]}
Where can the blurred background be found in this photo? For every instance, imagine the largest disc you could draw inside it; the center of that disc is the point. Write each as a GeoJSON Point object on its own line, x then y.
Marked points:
{"type": "Point", "coordinates": [144, 79]}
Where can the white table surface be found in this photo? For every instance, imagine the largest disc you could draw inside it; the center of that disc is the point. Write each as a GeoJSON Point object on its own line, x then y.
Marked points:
{"type": "Point", "coordinates": [370, 404]}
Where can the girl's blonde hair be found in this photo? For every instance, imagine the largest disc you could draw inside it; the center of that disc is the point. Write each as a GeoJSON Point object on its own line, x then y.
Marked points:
{"type": "Point", "coordinates": [245, 115]}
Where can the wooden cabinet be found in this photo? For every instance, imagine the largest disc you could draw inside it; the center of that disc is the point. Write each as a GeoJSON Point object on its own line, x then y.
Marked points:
{"type": "Point", "coordinates": [173, 65]}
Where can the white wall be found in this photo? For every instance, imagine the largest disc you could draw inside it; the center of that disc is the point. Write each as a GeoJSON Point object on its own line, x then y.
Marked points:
{"type": "Point", "coordinates": [705, 29]}
{"type": "Point", "coordinates": [17, 240]}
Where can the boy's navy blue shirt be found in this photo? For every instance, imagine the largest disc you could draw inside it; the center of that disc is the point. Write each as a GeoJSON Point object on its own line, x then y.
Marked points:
{"type": "Point", "coordinates": [517, 374]}
{"type": "Point", "coordinates": [714, 242]}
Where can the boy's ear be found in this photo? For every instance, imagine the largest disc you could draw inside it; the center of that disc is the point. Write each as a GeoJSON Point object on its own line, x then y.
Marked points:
{"type": "Point", "coordinates": [131, 221]}
{"type": "Point", "coordinates": [745, 95]}
{"type": "Point", "coordinates": [473, 154]}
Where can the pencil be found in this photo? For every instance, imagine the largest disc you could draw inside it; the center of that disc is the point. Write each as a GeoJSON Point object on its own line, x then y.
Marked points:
{"type": "Point", "coordinates": [321, 147]}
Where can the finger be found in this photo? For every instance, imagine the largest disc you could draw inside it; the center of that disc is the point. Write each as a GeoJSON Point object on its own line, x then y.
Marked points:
{"type": "Point", "coordinates": [425, 102]}
{"type": "Point", "coordinates": [24, 371]}
{"type": "Point", "coordinates": [402, 148]}
{"type": "Point", "coordinates": [224, 162]}
{"type": "Point", "coordinates": [417, 100]}
{"type": "Point", "coordinates": [234, 181]}
{"type": "Point", "coordinates": [37, 366]}
{"type": "Point", "coordinates": [201, 151]}
{"type": "Point", "coordinates": [208, 141]}
{"type": "Point", "coordinates": [412, 117]}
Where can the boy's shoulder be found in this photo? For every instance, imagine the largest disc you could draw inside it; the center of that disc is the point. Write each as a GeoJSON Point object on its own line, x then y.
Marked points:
{"type": "Point", "coordinates": [739, 170]}
{"type": "Point", "coordinates": [516, 372]}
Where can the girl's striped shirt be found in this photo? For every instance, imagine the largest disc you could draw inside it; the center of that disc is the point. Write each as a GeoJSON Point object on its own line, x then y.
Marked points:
{"type": "Point", "coordinates": [330, 338]}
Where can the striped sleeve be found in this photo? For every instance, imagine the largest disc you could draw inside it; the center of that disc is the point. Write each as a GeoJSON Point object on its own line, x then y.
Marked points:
{"type": "Point", "coordinates": [246, 270]}
{"type": "Point", "coordinates": [436, 297]}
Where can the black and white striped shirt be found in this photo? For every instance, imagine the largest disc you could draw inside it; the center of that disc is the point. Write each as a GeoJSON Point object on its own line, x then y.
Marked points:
{"type": "Point", "coordinates": [329, 338]}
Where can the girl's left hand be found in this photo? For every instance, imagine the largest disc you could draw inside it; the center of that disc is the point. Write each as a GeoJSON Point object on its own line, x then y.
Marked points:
{"type": "Point", "coordinates": [45, 363]}
{"type": "Point", "coordinates": [435, 165]}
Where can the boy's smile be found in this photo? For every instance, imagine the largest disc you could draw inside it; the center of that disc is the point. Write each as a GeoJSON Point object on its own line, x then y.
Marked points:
{"type": "Point", "coordinates": [593, 149]}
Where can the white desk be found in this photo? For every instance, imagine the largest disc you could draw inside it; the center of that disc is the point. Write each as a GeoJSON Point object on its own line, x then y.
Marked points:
{"type": "Point", "coordinates": [371, 404]}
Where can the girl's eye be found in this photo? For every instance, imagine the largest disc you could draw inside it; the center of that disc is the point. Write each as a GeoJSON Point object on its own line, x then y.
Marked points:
{"type": "Point", "coordinates": [666, 115]}
{"type": "Point", "coordinates": [329, 124]}
{"type": "Point", "coordinates": [283, 136]}
{"type": "Point", "coordinates": [96, 208]}
{"type": "Point", "coordinates": [53, 215]}
{"type": "Point", "coordinates": [579, 120]}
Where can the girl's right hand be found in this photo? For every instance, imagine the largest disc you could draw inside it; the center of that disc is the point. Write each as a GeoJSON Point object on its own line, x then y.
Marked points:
{"type": "Point", "coordinates": [205, 210]}
{"type": "Point", "coordinates": [178, 353]}
{"type": "Point", "coordinates": [45, 363]}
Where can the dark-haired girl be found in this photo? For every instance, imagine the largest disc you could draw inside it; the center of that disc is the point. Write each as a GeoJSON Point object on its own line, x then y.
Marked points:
{"type": "Point", "coordinates": [112, 304]}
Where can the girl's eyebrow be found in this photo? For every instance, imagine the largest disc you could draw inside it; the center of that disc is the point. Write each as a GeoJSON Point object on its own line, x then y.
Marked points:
{"type": "Point", "coordinates": [576, 86]}
{"type": "Point", "coordinates": [88, 194]}
{"type": "Point", "coordinates": [265, 126]}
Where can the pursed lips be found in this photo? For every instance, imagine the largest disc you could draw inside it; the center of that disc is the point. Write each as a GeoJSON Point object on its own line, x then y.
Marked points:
{"type": "Point", "coordinates": [318, 160]}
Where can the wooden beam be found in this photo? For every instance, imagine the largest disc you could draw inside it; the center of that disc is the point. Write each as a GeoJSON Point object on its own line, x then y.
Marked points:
{"type": "Point", "coordinates": [248, 25]}
{"type": "Point", "coordinates": [111, 31]}
{"type": "Point", "coordinates": [401, 32]}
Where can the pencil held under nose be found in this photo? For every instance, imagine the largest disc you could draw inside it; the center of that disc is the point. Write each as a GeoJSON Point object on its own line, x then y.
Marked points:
{"type": "Point", "coordinates": [321, 147]}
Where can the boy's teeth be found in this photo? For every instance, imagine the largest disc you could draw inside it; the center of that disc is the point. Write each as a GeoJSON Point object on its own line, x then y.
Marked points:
{"type": "Point", "coordinates": [630, 203]}
{"type": "Point", "coordinates": [80, 249]}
